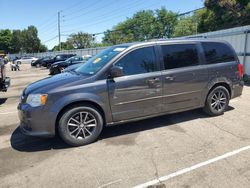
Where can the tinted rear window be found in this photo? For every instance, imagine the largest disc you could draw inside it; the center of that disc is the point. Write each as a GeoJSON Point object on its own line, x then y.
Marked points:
{"type": "Point", "coordinates": [179, 55]}
{"type": "Point", "coordinates": [216, 52]}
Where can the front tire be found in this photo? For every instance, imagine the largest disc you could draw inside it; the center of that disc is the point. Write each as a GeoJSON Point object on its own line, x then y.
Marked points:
{"type": "Point", "coordinates": [80, 125]}
{"type": "Point", "coordinates": [217, 101]}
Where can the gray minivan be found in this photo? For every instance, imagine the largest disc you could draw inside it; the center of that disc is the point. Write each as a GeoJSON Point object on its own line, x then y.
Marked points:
{"type": "Point", "coordinates": [131, 82]}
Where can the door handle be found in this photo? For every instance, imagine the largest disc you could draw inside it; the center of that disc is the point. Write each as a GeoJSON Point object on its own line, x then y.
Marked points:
{"type": "Point", "coordinates": [153, 81]}
{"type": "Point", "coordinates": [170, 78]}
{"type": "Point", "coordinates": [156, 79]}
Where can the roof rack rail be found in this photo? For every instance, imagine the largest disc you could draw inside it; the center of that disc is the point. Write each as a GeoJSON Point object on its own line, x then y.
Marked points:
{"type": "Point", "coordinates": [198, 36]}
{"type": "Point", "coordinates": [160, 39]}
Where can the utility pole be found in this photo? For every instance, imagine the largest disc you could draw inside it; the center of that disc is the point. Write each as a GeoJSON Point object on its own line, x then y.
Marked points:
{"type": "Point", "coordinates": [59, 30]}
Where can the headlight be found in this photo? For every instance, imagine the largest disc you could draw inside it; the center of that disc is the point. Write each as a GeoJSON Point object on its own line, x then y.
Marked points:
{"type": "Point", "coordinates": [36, 100]}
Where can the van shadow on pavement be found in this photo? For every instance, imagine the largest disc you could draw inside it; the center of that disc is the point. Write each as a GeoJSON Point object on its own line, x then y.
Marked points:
{"type": "Point", "coordinates": [24, 143]}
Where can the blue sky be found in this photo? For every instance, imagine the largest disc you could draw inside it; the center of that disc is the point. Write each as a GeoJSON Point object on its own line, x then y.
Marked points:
{"type": "Point", "coordinates": [90, 16]}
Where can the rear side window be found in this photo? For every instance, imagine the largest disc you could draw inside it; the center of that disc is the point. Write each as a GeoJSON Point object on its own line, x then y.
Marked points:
{"type": "Point", "coordinates": [179, 55]}
{"type": "Point", "coordinates": [139, 61]}
{"type": "Point", "coordinates": [59, 57]}
{"type": "Point", "coordinates": [216, 52]}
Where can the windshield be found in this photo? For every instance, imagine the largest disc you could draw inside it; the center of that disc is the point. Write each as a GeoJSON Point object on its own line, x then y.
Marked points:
{"type": "Point", "coordinates": [94, 64]}
{"type": "Point", "coordinates": [70, 59]}
{"type": "Point", "coordinates": [46, 58]}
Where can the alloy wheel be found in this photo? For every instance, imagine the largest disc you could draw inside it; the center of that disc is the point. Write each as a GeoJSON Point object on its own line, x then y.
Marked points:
{"type": "Point", "coordinates": [82, 125]}
{"type": "Point", "coordinates": [218, 101]}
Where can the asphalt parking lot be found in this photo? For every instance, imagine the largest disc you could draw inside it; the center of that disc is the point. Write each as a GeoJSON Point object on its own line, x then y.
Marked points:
{"type": "Point", "coordinates": [187, 149]}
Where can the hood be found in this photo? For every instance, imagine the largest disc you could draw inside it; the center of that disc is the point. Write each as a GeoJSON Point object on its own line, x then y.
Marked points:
{"type": "Point", "coordinates": [50, 83]}
{"type": "Point", "coordinates": [72, 67]}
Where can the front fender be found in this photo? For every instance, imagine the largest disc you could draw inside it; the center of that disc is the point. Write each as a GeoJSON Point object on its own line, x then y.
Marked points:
{"type": "Point", "coordinates": [80, 97]}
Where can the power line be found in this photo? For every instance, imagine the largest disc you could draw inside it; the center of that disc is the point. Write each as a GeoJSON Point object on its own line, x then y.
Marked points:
{"type": "Point", "coordinates": [178, 15]}
{"type": "Point", "coordinates": [45, 22]}
{"type": "Point", "coordinates": [106, 20]}
{"type": "Point", "coordinates": [131, 27]}
{"type": "Point", "coordinates": [138, 2]}
{"type": "Point", "coordinates": [74, 5]}
{"type": "Point", "coordinates": [87, 12]}
{"type": "Point", "coordinates": [81, 9]}
{"type": "Point", "coordinates": [49, 29]}
{"type": "Point", "coordinates": [51, 39]}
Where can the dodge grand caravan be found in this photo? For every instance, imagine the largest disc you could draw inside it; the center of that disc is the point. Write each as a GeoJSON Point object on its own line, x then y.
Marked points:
{"type": "Point", "coordinates": [131, 82]}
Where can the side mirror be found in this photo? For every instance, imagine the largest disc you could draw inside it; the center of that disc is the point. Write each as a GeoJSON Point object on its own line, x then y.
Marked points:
{"type": "Point", "coordinates": [116, 71]}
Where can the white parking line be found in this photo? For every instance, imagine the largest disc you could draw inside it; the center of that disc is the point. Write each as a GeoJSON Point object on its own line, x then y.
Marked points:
{"type": "Point", "coordinates": [110, 183]}
{"type": "Point", "coordinates": [5, 113]}
{"type": "Point", "coordinates": [183, 171]}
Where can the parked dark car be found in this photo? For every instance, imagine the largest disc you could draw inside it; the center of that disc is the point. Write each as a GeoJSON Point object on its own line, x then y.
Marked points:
{"type": "Point", "coordinates": [59, 66]}
{"type": "Point", "coordinates": [61, 57]}
{"type": "Point", "coordinates": [73, 67]}
{"type": "Point", "coordinates": [38, 63]}
{"type": "Point", "coordinates": [130, 82]}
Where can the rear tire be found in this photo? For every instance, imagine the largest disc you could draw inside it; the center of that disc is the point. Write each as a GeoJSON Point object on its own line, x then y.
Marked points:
{"type": "Point", "coordinates": [80, 125]}
{"type": "Point", "coordinates": [217, 101]}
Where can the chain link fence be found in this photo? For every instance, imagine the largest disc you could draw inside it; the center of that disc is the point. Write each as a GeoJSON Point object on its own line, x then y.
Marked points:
{"type": "Point", "coordinates": [238, 37]}
{"type": "Point", "coordinates": [87, 51]}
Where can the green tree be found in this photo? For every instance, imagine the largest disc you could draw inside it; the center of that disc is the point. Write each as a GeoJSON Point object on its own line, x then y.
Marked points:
{"type": "Point", "coordinates": [81, 40]}
{"type": "Point", "coordinates": [165, 23]}
{"type": "Point", "coordinates": [31, 42]}
{"type": "Point", "coordinates": [64, 46]}
{"type": "Point", "coordinates": [43, 48]}
{"type": "Point", "coordinates": [206, 20]}
{"type": "Point", "coordinates": [185, 26]}
{"type": "Point", "coordinates": [17, 41]}
{"type": "Point", "coordinates": [143, 25]}
{"type": "Point", "coordinates": [5, 40]}
{"type": "Point", "coordinates": [21, 40]}
{"type": "Point", "coordinates": [223, 14]}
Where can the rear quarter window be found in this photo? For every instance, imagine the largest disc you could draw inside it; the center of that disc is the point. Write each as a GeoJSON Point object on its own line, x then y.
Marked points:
{"type": "Point", "coordinates": [216, 52]}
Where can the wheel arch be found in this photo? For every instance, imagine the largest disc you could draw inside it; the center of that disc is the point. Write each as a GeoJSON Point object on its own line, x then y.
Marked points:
{"type": "Point", "coordinates": [213, 85]}
{"type": "Point", "coordinates": [224, 84]}
{"type": "Point", "coordinates": [79, 103]}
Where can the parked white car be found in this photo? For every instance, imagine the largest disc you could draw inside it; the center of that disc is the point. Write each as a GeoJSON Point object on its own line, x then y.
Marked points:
{"type": "Point", "coordinates": [26, 60]}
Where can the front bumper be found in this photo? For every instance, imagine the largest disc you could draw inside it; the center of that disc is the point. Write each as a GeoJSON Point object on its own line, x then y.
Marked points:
{"type": "Point", "coordinates": [35, 121]}
{"type": "Point", "coordinates": [5, 84]}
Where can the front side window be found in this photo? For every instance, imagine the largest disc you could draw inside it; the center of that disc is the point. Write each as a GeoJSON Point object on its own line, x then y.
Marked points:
{"type": "Point", "coordinates": [139, 61]}
{"type": "Point", "coordinates": [216, 52]}
{"type": "Point", "coordinates": [179, 55]}
{"type": "Point", "coordinates": [46, 58]}
{"type": "Point", "coordinates": [96, 63]}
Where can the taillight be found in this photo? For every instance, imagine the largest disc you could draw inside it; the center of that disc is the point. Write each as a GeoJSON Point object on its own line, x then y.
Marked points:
{"type": "Point", "coordinates": [240, 70]}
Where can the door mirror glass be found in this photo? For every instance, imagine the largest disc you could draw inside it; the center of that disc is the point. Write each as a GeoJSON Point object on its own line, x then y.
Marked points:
{"type": "Point", "coordinates": [116, 72]}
